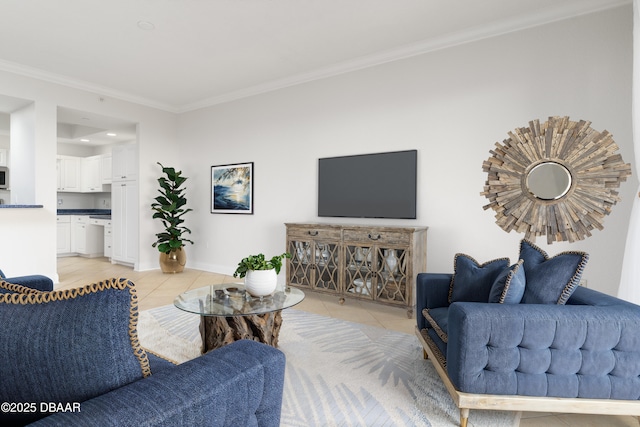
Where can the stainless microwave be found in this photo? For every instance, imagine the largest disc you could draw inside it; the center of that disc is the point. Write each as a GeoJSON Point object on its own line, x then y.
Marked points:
{"type": "Point", "coordinates": [4, 178]}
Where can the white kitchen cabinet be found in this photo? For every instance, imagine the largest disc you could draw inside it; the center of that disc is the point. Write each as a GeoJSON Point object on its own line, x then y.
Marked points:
{"type": "Point", "coordinates": [63, 234]}
{"type": "Point", "coordinates": [108, 240]}
{"type": "Point", "coordinates": [68, 173]}
{"type": "Point", "coordinates": [124, 160]}
{"type": "Point", "coordinates": [79, 234]}
{"type": "Point", "coordinates": [105, 225]}
{"type": "Point", "coordinates": [106, 169]}
{"type": "Point", "coordinates": [4, 157]}
{"type": "Point", "coordinates": [99, 221]}
{"type": "Point", "coordinates": [91, 174]}
{"type": "Point", "coordinates": [83, 174]}
{"type": "Point", "coordinates": [124, 204]}
{"type": "Point", "coordinates": [124, 220]}
{"type": "Point", "coordinates": [86, 238]}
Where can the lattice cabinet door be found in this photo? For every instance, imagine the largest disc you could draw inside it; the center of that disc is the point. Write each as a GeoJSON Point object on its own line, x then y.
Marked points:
{"type": "Point", "coordinates": [315, 258]}
{"type": "Point", "coordinates": [361, 265]}
{"type": "Point", "coordinates": [327, 259]}
{"type": "Point", "coordinates": [393, 282]}
{"type": "Point", "coordinates": [300, 266]}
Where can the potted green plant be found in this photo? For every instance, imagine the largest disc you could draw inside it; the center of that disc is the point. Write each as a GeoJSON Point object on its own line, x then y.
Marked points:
{"type": "Point", "coordinates": [260, 274]}
{"type": "Point", "coordinates": [169, 207]}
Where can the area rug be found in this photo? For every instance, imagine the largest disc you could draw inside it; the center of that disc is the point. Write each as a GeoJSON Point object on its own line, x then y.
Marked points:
{"type": "Point", "coordinates": [338, 373]}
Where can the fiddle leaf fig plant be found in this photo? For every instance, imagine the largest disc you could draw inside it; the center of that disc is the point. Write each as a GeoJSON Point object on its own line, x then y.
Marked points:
{"type": "Point", "coordinates": [259, 262]}
{"type": "Point", "coordinates": [169, 207]}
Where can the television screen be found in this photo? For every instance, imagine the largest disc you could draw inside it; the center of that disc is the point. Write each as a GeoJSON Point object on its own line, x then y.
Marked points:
{"type": "Point", "coordinates": [381, 185]}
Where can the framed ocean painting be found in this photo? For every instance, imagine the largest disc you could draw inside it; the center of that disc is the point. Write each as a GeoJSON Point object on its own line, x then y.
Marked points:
{"type": "Point", "coordinates": [232, 188]}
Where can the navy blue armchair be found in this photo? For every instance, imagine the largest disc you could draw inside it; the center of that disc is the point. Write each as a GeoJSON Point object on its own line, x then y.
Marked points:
{"type": "Point", "coordinates": [73, 358]}
{"type": "Point", "coordinates": [34, 281]}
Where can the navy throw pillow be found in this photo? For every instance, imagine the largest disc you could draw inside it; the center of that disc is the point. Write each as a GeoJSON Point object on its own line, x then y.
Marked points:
{"type": "Point", "coordinates": [509, 287]}
{"type": "Point", "coordinates": [69, 346]}
{"type": "Point", "coordinates": [550, 280]}
{"type": "Point", "coordinates": [472, 281]}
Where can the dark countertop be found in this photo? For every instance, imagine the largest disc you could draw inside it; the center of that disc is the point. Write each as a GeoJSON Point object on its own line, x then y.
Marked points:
{"type": "Point", "coordinates": [20, 206]}
{"type": "Point", "coordinates": [90, 212]}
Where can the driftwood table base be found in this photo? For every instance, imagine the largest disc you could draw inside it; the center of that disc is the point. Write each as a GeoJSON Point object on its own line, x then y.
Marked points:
{"type": "Point", "coordinates": [218, 331]}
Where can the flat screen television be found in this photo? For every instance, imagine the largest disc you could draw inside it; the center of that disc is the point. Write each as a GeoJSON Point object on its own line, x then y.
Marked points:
{"type": "Point", "coordinates": [380, 185]}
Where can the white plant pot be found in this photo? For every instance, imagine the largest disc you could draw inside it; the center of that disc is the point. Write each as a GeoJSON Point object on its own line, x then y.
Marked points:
{"type": "Point", "coordinates": [260, 283]}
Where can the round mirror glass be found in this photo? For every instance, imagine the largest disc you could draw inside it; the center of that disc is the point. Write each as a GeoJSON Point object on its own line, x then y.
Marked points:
{"type": "Point", "coordinates": [549, 181]}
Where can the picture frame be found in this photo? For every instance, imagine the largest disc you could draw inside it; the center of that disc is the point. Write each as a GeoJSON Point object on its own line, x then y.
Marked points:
{"type": "Point", "coordinates": [232, 188]}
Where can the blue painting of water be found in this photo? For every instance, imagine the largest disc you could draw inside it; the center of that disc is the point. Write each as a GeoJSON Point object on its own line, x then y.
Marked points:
{"type": "Point", "coordinates": [230, 198]}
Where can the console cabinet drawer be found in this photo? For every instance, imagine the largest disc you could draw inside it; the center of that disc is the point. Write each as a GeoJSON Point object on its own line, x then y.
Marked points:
{"type": "Point", "coordinates": [315, 233]}
{"type": "Point", "coordinates": [377, 237]}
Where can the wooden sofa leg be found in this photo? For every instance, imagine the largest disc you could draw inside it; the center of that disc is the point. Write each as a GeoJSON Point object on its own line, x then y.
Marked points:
{"type": "Point", "coordinates": [425, 355]}
{"type": "Point", "coordinates": [464, 417]}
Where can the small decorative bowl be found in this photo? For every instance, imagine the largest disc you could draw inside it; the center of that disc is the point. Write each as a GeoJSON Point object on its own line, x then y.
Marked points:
{"type": "Point", "coordinates": [235, 292]}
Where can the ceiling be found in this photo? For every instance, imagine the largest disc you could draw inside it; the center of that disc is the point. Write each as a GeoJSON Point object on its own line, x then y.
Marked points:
{"type": "Point", "coordinates": [180, 55]}
{"type": "Point", "coordinates": [83, 128]}
{"type": "Point", "coordinates": [74, 126]}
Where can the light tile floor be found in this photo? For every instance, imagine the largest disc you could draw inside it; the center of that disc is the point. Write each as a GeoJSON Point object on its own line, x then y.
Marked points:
{"type": "Point", "coordinates": [156, 289]}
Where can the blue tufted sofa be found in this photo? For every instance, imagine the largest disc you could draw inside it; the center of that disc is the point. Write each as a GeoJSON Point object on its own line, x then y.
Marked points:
{"type": "Point", "coordinates": [578, 356]}
{"type": "Point", "coordinates": [72, 358]}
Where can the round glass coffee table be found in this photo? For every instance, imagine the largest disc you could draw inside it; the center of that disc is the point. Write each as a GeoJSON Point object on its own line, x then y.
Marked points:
{"type": "Point", "coordinates": [228, 313]}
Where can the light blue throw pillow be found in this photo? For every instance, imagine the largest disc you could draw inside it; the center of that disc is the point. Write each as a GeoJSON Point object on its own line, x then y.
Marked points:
{"type": "Point", "coordinates": [70, 345]}
{"type": "Point", "coordinates": [472, 281]}
{"type": "Point", "coordinates": [509, 287]}
{"type": "Point", "coordinates": [550, 280]}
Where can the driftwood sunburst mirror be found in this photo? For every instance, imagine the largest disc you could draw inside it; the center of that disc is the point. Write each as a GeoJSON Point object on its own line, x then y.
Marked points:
{"type": "Point", "coordinates": [558, 179]}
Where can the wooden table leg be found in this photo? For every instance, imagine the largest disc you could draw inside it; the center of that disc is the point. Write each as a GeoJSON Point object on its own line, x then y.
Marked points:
{"type": "Point", "coordinates": [219, 331]}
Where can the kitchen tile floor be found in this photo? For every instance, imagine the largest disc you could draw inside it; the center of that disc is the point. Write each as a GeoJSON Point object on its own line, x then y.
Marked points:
{"type": "Point", "coordinates": [156, 289]}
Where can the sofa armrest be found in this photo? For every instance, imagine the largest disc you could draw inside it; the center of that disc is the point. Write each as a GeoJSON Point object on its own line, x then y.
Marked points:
{"type": "Point", "coordinates": [587, 296]}
{"type": "Point", "coordinates": [35, 281]}
{"type": "Point", "coordinates": [545, 350]}
{"type": "Point", "coordinates": [432, 291]}
{"type": "Point", "coordinates": [240, 384]}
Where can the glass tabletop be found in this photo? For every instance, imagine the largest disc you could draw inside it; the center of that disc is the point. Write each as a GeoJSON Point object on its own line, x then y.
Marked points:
{"type": "Point", "coordinates": [231, 299]}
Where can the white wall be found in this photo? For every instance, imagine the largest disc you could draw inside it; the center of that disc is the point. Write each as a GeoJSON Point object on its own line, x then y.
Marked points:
{"type": "Point", "coordinates": [29, 235]}
{"type": "Point", "coordinates": [22, 173]}
{"type": "Point", "coordinates": [451, 105]}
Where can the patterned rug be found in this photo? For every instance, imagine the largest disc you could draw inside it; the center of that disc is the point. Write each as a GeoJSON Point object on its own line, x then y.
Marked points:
{"type": "Point", "coordinates": [338, 373]}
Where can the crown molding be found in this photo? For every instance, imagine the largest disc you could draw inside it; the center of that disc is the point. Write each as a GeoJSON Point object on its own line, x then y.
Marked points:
{"type": "Point", "coordinates": [415, 49]}
{"type": "Point", "coordinates": [495, 29]}
{"type": "Point", "coordinates": [36, 73]}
